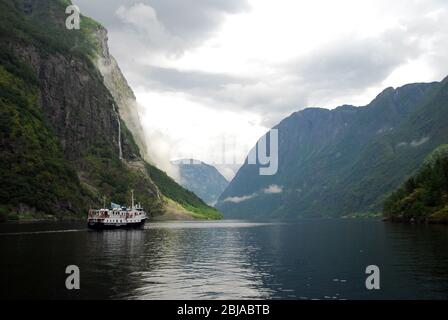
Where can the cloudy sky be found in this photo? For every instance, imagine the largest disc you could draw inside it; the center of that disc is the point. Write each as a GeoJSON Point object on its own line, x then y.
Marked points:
{"type": "Point", "coordinates": [212, 76]}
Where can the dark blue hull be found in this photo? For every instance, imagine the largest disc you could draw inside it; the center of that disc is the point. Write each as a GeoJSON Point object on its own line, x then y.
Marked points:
{"type": "Point", "coordinates": [113, 226]}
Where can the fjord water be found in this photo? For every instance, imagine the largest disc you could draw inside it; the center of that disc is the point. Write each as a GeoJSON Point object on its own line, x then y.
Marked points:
{"type": "Point", "coordinates": [316, 259]}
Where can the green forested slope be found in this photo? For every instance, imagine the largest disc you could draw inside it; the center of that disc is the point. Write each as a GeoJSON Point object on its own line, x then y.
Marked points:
{"type": "Point", "coordinates": [424, 196]}
{"type": "Point", "coordinates": [184, 197]}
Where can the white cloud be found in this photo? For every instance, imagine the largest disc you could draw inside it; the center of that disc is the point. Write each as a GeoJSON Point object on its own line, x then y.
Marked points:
{"type": "Point", "coordinates": [180, 128]}
{"type": "Point", "coordinates": [413, 143]}
{"type": "Point", "coordinates": [417, 143]}
{"type": "Point", "coordinates": [240, 199]}
{"type": "Point", "coordinates": [273, 189]}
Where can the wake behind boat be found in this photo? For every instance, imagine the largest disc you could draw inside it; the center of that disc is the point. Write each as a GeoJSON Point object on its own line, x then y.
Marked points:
{"type": "Point", "coordinates": [118, 217]}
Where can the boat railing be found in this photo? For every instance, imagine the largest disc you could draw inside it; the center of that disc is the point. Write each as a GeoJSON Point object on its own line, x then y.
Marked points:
{"type": "Point", "coordinates": [98, 214]}
{"type": "Point", "coordinates": [102, 214]}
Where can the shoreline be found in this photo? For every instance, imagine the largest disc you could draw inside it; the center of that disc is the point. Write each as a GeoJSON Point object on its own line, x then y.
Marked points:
{"type": "Point", "coordinates": [181, 217]}
{"type": "Point", "coordinates": [413, 222]}
{"type": "Point", "coordinates": [48, 219]}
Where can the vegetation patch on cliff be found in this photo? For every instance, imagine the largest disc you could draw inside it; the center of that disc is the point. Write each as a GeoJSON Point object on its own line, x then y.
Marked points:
{"type": "Point", "coordinates": [423, 198]}
{"type": "Point", "coordinates": [187, 199]}
{"type": "Point", "coordinates": [33, 171]}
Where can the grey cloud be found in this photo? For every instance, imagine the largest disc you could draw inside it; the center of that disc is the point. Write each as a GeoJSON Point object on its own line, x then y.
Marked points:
{"type": "Point", "coordinates": [342, 68]}
{"type": "Point", "coordinates": [357, 63]}
{"type": "Point", "coordinates": [339, 69]}
{"type": "Point", "coordinates": [190, 20]}
{"type": "Point", "coordinates": [171, 79]}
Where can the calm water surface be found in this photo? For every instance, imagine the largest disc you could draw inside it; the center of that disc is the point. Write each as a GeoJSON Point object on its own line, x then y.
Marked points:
{"type": "Point", "coordinates": [319, 259]}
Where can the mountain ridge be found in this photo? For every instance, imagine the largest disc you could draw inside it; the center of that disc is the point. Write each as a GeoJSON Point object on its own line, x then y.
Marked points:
{"type": "Point", "coordinates": [325, 157]}
{"type": "Point", "coordinates": [202, 179]}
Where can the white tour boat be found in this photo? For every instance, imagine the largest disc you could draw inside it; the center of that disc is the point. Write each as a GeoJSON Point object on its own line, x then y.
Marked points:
{"type": "Point", "coordinates": [117, 217]}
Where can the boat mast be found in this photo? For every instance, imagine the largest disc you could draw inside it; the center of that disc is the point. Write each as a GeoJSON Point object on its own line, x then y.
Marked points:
{"type": "Point", "coordinates": [132, 198]}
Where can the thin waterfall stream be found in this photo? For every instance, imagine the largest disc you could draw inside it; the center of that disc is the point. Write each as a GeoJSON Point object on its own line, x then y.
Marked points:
{"type": "Point", "coordinates": [120, 150]}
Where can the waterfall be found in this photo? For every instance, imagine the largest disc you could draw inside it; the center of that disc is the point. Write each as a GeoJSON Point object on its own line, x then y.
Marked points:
{"type": "Point", "coordinates": [120, 151]}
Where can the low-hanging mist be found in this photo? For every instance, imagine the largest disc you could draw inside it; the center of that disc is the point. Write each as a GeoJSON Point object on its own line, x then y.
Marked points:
{"type": "Point", "coordinates": [152, 143]}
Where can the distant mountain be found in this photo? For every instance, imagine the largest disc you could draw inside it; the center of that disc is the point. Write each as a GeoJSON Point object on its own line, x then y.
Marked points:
{"type": "Point", "coordinates": [202, 179]}
{"type": "Point", "coordinates": [423, 198]}
{"type": "Point", "coordinates": [67, 123]}
{"type": "Point", "coordinates": [344, 161]}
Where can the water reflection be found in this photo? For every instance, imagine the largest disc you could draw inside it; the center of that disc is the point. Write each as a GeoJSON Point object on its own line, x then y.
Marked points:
{"type": "Point", "coordinates": [197, 261]}
{"type": "Point", "coordinates": [418, 256]}
{"type": "Point", "coordinates": [318, 259]}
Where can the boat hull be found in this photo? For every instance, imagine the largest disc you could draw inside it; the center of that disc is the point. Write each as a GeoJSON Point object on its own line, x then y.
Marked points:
{"type": "Point", "coordinates": [99, 225]}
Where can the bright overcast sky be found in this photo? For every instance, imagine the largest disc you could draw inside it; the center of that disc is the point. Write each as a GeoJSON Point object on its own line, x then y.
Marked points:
{"type": "Point", "coordinates": [215, 74]}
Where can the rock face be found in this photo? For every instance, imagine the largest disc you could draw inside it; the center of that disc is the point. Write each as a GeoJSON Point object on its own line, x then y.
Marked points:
{"type": "Point", "coordinates": [343, 161]}
{"type": "Point", "coordinates": [123, 95]}
{"type": "Point", "coordinates": [68, 124]}
{"type": "Point", "coordinates": [202, 179]}
{"type": "Point", "coordinates": [74, 98]}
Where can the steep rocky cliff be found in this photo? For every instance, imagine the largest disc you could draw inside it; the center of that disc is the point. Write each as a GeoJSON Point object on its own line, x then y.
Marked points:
{"type": "Point", "coordinates": [64, 144]}
{"type": "Point", "coordinates": [123, 95]}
